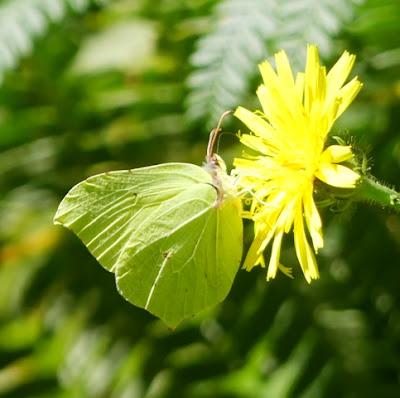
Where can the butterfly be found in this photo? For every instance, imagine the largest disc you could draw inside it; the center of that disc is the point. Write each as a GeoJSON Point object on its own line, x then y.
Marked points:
{"type": "Point", "coordinates": [171, 233]}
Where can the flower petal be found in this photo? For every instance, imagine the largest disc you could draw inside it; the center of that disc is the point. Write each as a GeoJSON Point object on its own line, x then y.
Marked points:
{"type": "Point", "coordinates": [336, 154]}
{"type": "Point", "coordinates": [311, 77]}
{"type": "Point", "coordinates": [338, 74]}
{"type": "Point", "coordinates": [283, 68]}
{"type": "Point", "coordinates": [337, 175]}
{"type": "Point", "coordinates": [313, 220]}
{"type": "Point", "coordinates": [275, 255]}
{"type": "Point", "coordinates": [300, 85]}
{"type": "Point", "coordinates": [287, 85]}
{"type": "Point", "coordinates": [303, 251]}
{"type": "Point", "coordinates": [263, 235]}
{"type": "Point", "coordinates": [256, 143]}
{"type": "Point", "coordinates": [348, 93]}
{"type": "Point", "coordinates": [256, 124]}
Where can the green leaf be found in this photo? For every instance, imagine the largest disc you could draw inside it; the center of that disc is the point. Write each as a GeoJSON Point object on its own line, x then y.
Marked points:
{"type": "Point", "coordinates": [247, 32]}
{"type": "Point", "coordinates": [173, 247]}
{"type": "Point", "coordinates": [23, 21]}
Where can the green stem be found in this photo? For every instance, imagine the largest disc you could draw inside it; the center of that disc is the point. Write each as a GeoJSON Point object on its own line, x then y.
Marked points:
{"type": "Point", "coordinates": [372, 191]}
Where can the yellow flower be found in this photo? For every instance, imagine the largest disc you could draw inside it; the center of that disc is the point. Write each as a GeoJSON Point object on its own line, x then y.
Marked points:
{"type": "Point", "coordinates": [289, 138]}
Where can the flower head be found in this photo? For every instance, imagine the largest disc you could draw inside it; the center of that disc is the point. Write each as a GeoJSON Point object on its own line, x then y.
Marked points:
{"type": "Point", "coordinates": [288, 138]}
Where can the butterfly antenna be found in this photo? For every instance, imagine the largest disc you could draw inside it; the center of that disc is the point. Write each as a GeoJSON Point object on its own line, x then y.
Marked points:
{"type": "Point", "coordinates": [213, 137]}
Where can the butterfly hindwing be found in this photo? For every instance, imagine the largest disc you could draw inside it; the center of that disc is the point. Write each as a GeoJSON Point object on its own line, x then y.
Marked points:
{"type": "Point", "coordinates": [194, 266]}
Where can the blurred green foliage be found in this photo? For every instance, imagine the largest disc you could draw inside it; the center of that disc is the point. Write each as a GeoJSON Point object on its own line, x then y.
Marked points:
{"type": "Point", "coordinates": [90, 86]}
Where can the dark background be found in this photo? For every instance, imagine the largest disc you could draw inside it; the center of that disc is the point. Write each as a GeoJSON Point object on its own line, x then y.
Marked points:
{"type": "Point", "coordinates": [93, 86]}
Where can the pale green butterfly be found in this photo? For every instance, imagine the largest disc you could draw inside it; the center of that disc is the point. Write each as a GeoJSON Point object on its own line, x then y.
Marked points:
{"type": "Point", "coordinates": [172, 234]}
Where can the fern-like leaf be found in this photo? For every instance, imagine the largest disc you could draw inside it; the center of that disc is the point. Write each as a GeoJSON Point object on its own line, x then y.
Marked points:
{"type": "Point", "coordinates": [22, 21]}
{"type": "Point", "coordinates": [247, 32]}
{"type": "Point", "coordinates": [225, 58]}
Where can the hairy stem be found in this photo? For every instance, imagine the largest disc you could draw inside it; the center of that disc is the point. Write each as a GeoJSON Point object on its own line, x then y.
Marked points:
{"type": "Point", "coordinates": [372, 191]}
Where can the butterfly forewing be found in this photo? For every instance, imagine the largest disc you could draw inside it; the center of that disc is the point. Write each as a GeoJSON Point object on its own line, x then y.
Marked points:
{"type": "Point", "coordinates": [106, 210]}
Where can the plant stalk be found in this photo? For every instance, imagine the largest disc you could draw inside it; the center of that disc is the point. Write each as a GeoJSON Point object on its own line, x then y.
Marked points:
{"type": "Point", "coordinates": [372, 191]}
